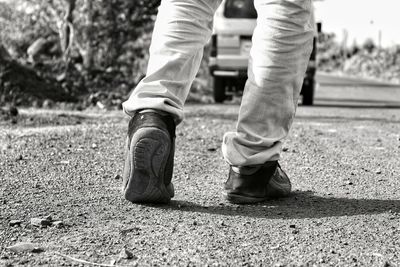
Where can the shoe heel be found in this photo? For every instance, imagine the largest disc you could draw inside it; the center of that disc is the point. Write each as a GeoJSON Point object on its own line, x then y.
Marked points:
{"type": "Point", "coordinates": [149, 152]}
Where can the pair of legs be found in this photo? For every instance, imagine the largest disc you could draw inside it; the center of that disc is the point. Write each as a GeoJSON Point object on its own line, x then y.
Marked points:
{"type": "Point", "coordinates": [282, 43]}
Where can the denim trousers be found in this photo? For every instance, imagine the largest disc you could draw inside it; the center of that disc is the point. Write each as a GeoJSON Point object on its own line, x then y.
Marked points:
{"type": "Point", "coordinates": [281, 46]}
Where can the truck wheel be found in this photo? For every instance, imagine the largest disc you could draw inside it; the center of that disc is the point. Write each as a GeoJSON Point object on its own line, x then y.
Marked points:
{"type": "Point", "coordinates": [219, 89]}
{"type": "Point", "coordinates": [308, 93]}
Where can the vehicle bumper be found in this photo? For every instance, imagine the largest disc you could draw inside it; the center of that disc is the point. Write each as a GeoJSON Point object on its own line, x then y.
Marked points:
{"type": "Point", "coordinates": [235, 67]}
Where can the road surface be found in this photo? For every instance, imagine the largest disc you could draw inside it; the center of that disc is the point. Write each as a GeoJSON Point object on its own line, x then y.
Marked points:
{"type": "Point", "coordinates": [342, 156]}
{"type": "Point", "coordinates": [342, 91]}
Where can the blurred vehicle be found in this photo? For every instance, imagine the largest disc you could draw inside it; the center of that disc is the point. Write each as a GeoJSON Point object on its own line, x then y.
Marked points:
{"type": "Point", "coordinates": [234, 24]}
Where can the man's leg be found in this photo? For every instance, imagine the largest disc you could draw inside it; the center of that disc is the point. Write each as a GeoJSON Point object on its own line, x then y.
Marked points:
{"type": "Point", "coordinates": [181, 30]}
{"type": "Point", "coordinates": [282, 43]}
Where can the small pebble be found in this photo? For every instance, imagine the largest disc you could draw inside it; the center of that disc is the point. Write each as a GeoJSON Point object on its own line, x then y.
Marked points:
{"type": "Point", "coordinates": [25, 247]}
{"type": "Point", "coordinates": [40, 222]}
{"type": "Point", "coordinates": [13, 111]}
{"type": "Point", "coordinates": [126, 254]}
{"type": "Point", "coordinates": [15, 223]}
{"type": "Point", "coordinates": [58, 224]}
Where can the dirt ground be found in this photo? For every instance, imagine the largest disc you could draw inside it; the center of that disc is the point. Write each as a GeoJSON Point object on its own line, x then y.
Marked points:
{"type": "Point", "coordinates": [344, 211]}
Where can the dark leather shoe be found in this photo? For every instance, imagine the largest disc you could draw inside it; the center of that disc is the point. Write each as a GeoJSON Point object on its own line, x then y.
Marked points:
{"type": "Point", "coordinates": [149, 158]}
{"type": "Point", "coordinates": [257, 183]}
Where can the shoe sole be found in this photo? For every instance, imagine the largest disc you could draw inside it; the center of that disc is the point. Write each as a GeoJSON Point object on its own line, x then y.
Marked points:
{"type": "Point", "coordinates": [148, 154]}
{"type": "Point", "coordinates": [240, 199]}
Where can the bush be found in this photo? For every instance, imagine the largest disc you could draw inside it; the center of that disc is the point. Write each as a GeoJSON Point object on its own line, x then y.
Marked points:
{"type": "Point", "coordinates": [115, 34]}
{"type": "Point", "coordinates": [367, 61]}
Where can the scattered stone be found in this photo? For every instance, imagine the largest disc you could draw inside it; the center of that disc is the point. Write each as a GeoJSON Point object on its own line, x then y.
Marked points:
{"type": "Point", "coordinates": [94, 146]}
{"type": "Point", "coordinates": [58, 224]}
{"type": "Point", "coordinates": [117, 177]}
{"type": "Point", "coordinates": [40, 222]}
{"type": "Point", "coordinates": [285, 149]}
{"type": "Point", "coordinates": [19, 157]}
{"type": "Point", "coordinates": [211, 149]}
{"type": "Point", "coordinates": [135, 230]}
{"type": "Point", "coordinates": [15, 223]}
{"type": "Point", "coordinates": [13, 111]}
{"type": "Point", "coordinates": [25, 247]}
{"type": "Point", "coordinates": [100, 105]}
{"type": "Point", "coordinates": [47, 104]}
{"type": "Point", "coordinates": [378, 172]}
{"type": "Point", "coordinates": [126, 254]}
{"type": "Point", "coordinates": [194, 223]}
{"type": "Point", "coordinates": [275, 247]}
{"type": "Point", "coordinates": [292, 226]}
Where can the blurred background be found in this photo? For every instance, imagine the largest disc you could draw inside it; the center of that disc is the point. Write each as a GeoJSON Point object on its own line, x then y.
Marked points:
{"type": "Point", "coordinates": [84, 53]}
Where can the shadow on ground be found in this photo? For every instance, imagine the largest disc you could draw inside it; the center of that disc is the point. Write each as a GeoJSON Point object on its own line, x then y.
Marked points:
{"type": "Point", "coordinates": [318, 112]}
{"type": "Point", "coordinates": [302, 204]}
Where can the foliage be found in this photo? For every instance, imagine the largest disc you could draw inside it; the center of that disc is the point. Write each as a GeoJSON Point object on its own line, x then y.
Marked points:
{"type": "Point", "coordinates": [367, 61]}
{"type": "Point", "coordinates": [330, 54]}
{"type": "Point", "coordinates": [383, 64]}
{"type": "Point", "coordinates": [116, 31]}
{"type": "Point", "coordinates": [99, 48]}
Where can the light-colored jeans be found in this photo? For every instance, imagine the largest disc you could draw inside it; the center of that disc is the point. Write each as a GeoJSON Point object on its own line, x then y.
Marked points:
{"type": "Point", "coordinates": [282, 43]}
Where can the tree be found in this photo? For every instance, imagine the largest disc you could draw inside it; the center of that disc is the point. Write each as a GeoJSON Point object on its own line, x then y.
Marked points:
{"type": "Point", "coordinates": [101, 44]}
{"type": "Point", "coordinates": [66, 33]}
{"type": "Point", "coordinates": [87, 52]}
{"type": "Point", "coordinates": [369, 45]}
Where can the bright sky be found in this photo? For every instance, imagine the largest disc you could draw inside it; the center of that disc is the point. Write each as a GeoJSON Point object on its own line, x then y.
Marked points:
{"type": "Point", "coordinates": [361, 19]}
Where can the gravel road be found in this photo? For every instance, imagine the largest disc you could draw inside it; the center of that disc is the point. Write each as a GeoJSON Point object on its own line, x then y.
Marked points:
{"type": "Point", "coordinates": [345, 209]}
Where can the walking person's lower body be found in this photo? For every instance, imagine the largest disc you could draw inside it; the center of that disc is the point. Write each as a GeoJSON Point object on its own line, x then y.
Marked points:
{"type": "Point", "coordinates": [282, 43]}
